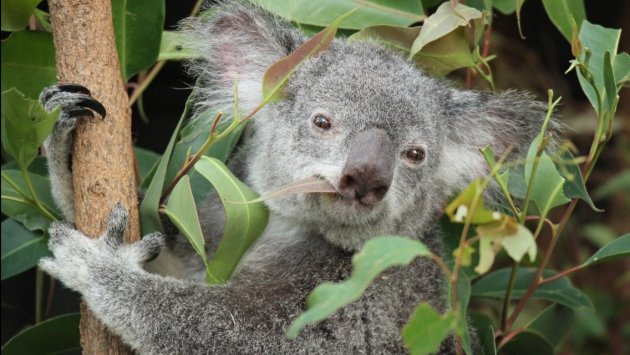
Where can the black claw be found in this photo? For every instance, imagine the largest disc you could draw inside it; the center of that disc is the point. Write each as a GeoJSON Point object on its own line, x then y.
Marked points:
{"type": "Point", "coordinates": [82, 112]}
{"type": "Point", "coordinates": [94, 105]}
{"type": "Point", "coordinates": [75, 88]}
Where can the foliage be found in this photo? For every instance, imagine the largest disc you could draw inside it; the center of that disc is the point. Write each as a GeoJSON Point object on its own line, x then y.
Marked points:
{"type": "Point", "coordinates": [454, 36]}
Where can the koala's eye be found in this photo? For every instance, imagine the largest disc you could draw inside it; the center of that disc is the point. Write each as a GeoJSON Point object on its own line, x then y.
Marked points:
{"type": "Point", "coordinates": [322, 122]}
{"type": "Point", "coordinates": [415, 155]}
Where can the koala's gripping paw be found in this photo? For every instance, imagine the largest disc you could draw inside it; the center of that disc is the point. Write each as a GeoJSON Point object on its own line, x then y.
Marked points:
{"type": "Point", "coordinates": [82, 263]}
{"type": "Point", "coordinates": [75, 101]}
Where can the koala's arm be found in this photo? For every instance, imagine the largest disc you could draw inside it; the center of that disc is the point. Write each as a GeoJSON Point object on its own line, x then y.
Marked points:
{"type": "Point", "coordinates": [74, 102]}
{"type": "Point", "coordinates": [164, 315]}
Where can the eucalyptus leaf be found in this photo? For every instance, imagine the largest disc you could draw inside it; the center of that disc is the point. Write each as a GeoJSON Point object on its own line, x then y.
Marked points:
{"type": "Point", "coordinates": [39, 166]}
{"type": "Point", "coordinates": [446, 19]}
{"type": "Point", "coordinates": [21, 248]}
{"type": "Point", "coordinates": [565, 14]}
{"type": "Point", "coordinates": [485, 331]}
{"type": "Point", "coordinates": [146, 160]}
{"type": "Point", "coordinates": [172, 47]}
{"type": "Point", "coordinates": [527, 343]}
{"type": "Point", "coordinates": [149, 215]}
{"type": "Point", "coordinates": [553, 323]}
{"type": "Point", "coordinates": [561, 291]}
{"type": "Point", "coordinates": [52, 336]}
{"type": "Point", "coordinates": [14, 205]}
{"type": "Point", "coordinates": [277, 75]}
{"type": "Point", "coordinates": [506, 7]}
{"type": "Point", "coordinates": [377, 255]}
{"type": "Point", "coordinates": [15, 13]}
{"type": "Point", "coordinates": [138, 30]}
{"type": "Point", "coordinates": [244, 222]}
{"type": "Point", "coordinates": [28, 62]}
{"type": "Point", "coordinates": [426, 329]}
{"type": "Point", "coordinates": [574, 184]}
{"type": "Point", "coordinates": [324, 12]}
{"type": "Point", "coordinates": [182, 211]}
{"type": "Point", "coordinates": [548, 184]}
{"type": "Point", "coordinates": [25, 126]}
{"type": "Point", "coordinates": [459, 208]}
{"type": "Point", "coordinates": [618, 248]}
{"type": "Point", "coordinates": [600, 40]}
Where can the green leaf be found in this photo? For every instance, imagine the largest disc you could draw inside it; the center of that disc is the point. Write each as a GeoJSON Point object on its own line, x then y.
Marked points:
{"type": "Point", "coordinates": [173, 47]}
{"type": "Point", "coordinates": [616, 249]}
{"type": "Point", "coordinates": [138, 29]}
{"type": "Point", "coordinates": [146, 160]}
{"type": "Point", "coordinates": [15, 13]}
{"type": "Point", "coordinates": [25, 126]}
{"type": "Point", "coordinates": [30, 217]}
{"type": "Point", "coordinates": [463, 297]}
{"type": "Point", "coordinates": [377, 255]}
{"type": "Point", "coordinates": [182, 211]}
{"type": "Point", "coordinates": [52, 336]}
{"type": "Point", "coordinates": [560, 291]}
{"type": "Point", "coordinates": [519, 244]}
{"type": "Point", "coordinates": [277, 75]}
{"type": "Point", "coordinates": [600, 40]}
{"type": "Point", "coordinates": [527, 343]}
{"type": "Point", "coordinates": [548, 184]}
{"type": "Point", "coordinates": [193, 136]}
{"type": "Point", "coordinates": [445, 20]}
{"type": "Point", "coordinates": [507, 234]}
{"type": "Point", "coordinates": [39, 166]}
{"type": "Point", "coordinates": [149, 215]}
{"type": "Point", "coordinates": [21, 248]}
{"type": "Point", "coordinates": [458, 208]}
{"type": "Point", "coordinates": [28, 62]}
{"type": "Point", "coordinates": [506, 7]}
{"type": "Point", "coordinates": [324, 12]}
{"type": "Point", "coordinates": [438, 58]}
{"type": "Point", "coordinates": [610, 98]}
{"type": "Point", "coordinates": [564, 14]}
{"type": "Point", "coordinates": [620, 183]}
{"type": "Point", "coordinates": [621, 68]}
{"type": "Point", "coordinates": [244, 222]}
{"type": "Point", "coordinates": [396, 37]}
{"type": "Point", "coordinates": [426, 329]}
{"type": "Point", "coordinates": [553, 323]}
{"type": "Point", "coordinates": [446, 54]}
{"type": "Point", "coordinates": [485, 331]}
{"type": "Point", "coordinates": [574, 184]}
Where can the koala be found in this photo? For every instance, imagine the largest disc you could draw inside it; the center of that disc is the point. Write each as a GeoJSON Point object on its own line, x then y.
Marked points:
{"type": "Point", "coordinates": [394, 142]}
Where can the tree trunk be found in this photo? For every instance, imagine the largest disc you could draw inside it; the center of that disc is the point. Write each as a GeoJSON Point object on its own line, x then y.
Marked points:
{"type": "Point", "coordinates": [102, 162]}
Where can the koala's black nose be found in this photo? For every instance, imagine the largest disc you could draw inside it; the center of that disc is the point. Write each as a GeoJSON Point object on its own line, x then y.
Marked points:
{"type": "Point", "coordinates": [368, 171]}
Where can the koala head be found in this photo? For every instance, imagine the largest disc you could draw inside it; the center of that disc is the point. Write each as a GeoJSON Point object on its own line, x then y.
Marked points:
{"type": "Point", "coordinates": [393, 141]}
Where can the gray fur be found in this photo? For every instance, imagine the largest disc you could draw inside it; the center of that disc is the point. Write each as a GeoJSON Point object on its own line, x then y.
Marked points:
{"type": "Point", "coordinates": [310, 239]}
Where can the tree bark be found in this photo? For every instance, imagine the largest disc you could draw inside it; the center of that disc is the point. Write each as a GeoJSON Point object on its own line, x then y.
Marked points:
{"type": "Point", "coordinates": [102, 160]}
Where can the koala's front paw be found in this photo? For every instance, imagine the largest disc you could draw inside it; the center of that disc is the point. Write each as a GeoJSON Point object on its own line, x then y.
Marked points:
{"type": "Point", "coordinates": [82, 263]}
{"type": "Point", "coordinates": [74, 99]}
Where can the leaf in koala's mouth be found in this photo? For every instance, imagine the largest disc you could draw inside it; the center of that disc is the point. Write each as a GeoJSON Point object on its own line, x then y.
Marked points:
{"type": "Point", "coordinates": [308, 185]}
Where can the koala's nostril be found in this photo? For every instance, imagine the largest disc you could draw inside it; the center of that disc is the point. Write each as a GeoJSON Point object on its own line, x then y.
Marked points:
{"type": "Point", "coordinates": [363, 185]}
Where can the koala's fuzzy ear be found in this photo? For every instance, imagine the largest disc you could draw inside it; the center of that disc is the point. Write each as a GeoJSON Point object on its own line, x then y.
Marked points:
{"type": "Point", "coordinates": [236, 40]}
{"type": "Point", "coordinates": [476, 119]}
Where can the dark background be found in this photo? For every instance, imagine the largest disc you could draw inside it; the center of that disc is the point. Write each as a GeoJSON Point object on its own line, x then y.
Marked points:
{"type": "Point", "coordinates": [537, 64]}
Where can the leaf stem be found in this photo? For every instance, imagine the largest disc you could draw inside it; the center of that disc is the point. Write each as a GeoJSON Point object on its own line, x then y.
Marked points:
{"type": "Point", "coordinates": [561, 274]}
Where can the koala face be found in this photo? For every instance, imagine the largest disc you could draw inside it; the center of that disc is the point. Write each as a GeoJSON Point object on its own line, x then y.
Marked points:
{"type": "Point", "coordinates": [392, 141]}
{"type": "Point", "coordinates": [362, 118]}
